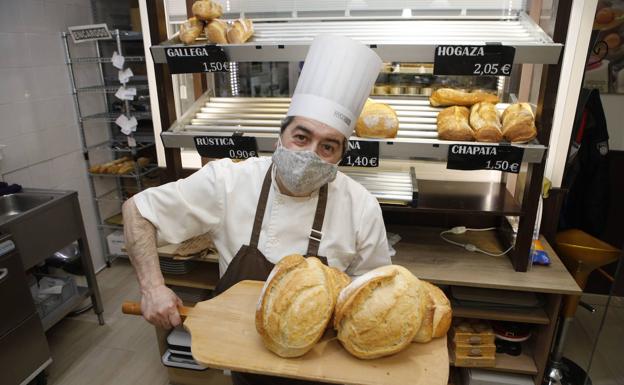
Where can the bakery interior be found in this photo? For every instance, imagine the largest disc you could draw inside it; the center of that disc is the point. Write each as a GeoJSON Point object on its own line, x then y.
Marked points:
{"type": "Point", "coordinates": [500, 194]}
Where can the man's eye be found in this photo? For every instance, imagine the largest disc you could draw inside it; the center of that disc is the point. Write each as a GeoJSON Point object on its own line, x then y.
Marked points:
{"type": "Point", "coordinates": [300, 138]}
{"type": "Point", "coordinates": [328, 148]}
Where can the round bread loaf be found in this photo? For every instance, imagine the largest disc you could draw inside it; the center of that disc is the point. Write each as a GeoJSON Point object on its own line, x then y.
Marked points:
{"type": "Point", "coordinates": [438, 314]}
{"type": "Point", "coordinates": [380, 312]}
{"type": "Point", "coordinates": [295, 306]}
{"type": "Point", "coordinates": [377, 120]}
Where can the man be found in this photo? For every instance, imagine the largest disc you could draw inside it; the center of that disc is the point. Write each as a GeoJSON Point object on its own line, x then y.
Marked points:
{"type": "Point", "coordinates": [263, 209]}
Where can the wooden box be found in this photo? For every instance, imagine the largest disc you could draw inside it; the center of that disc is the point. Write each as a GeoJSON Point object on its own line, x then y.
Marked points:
{"type": "Point", "coordinates": [472, 332]}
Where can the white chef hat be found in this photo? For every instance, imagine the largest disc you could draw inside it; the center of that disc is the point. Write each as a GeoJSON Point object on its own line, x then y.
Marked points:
{"type": "Point", "coordinates": [336, 79]}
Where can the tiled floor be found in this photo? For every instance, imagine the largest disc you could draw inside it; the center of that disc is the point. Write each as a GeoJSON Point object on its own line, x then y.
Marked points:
{"type": "Point", "coordinates": [124, 351]}
{"type": "Point", "coordinates": [607, 367]}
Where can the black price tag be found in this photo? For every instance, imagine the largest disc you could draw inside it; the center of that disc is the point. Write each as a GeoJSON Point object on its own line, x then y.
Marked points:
{"type": "Point", "coordinates": [474, 157]}
{"type": "Point", "coordinates": [196, 58]}
{"type": "Point", "coordinates": [234, 147]}
{"type": "Point", "coordinates": [361, 153]}
{"type": "Point", "coordinates": [475, 60]}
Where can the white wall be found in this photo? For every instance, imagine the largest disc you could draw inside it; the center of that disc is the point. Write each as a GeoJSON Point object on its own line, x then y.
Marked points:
{"type": "Point", "coordinates": [613, 106]}
{"type": "Point", "coordinates": [37, 116]}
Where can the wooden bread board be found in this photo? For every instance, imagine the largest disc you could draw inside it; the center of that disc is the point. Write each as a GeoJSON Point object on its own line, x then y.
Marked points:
{"type": "Point", "coordinates": [223, 336]}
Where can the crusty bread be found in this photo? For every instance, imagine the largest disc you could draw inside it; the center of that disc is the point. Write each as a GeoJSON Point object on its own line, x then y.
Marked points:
{"type": "Point", "coordinates": [377, 120]}
{"type": "Point", "coordinates": [240, 31]}
{"type": "Point", "coordinates": [438, 314]}
{"type": "Point", "coordinates": [190, 30]}
{"type": "Point", "coordinates": [380, 312]}
{"type": "Point", "coordinates": [452, 123]}
{"type": "Point", "coordinates": [485, 122]}
{"type": "Point", "coordinates": [295, 306]}
{"type": "Point", "coordinates": [450, 97]}
{"type": "Point", "coordinates": [443, 314]}
{"type": "Point", "coordinates": [519, 123]}
{"type": "Point", "coordinates": [207, 9]}
{"type": "Point", "coordinates": [339, 280]}
{"type": "Point", "coordinates": [216, 31]}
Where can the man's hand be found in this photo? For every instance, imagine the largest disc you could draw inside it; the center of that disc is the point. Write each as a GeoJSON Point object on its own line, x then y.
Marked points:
{"type": "Point", "coordinates": [160, 307]}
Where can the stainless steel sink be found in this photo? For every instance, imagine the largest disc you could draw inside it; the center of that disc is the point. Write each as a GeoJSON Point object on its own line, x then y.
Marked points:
{"type": "Point", "coordinates": [19, 203]}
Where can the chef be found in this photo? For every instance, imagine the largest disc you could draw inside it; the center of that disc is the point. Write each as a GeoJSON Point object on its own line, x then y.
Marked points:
{"type": "Point", "coordinates": [262, 209]}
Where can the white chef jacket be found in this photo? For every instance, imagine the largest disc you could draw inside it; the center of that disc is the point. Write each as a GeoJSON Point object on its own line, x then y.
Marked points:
{"type": "Point", "coordinates": [221, 199]}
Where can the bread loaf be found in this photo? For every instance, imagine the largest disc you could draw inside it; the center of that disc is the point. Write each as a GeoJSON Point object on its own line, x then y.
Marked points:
{"type": "Point", "coordinates": [216, 31]}
{"type": "Point", "coordinates": [453, 124]}
{"type": "Point", "coordinates": [190, 30]}
{"type": "Point", "coordinates": [206, 9]}
{"type": "Point", "coordinates": [380, 312]}
{"type": "Point", "coordinates": [240, 31]}
{"type": "Point", "coordinates": [519, 123]}
{"type": "Point", "coordinates": [450, 97]}
{"type": "Point", "coordinates": [485, 122]}
{"type": "Point", "coordinates": [438, 314]}
{"type": "Point", "coordinates": [295, 306]}
{"type": "Point", "coordinates": [377, 120]}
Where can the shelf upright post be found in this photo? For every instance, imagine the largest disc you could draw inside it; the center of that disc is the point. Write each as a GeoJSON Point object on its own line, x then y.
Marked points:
{"type": "Point", "coordinates": [83, 140]}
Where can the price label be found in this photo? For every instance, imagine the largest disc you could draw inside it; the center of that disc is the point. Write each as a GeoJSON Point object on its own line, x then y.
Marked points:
{"type": "Point", "coordinates": [234, 147]}
{"type": "Point", "coordinates": [474, 157]}
{"type": "Point", "coordinates": [476, 60]}
{"type": "Point", "coordinates": [82, 33]}
{"type": "Point", "coordinates": [361, 153]}
{"type": "Point", "coordinates": [197, 58]}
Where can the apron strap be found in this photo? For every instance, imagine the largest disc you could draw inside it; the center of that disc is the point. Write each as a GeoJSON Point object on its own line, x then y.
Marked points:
{"type": "Point", "coordinates": [262, 202]}
{"type": "Point", "coordinates": [317, 225]}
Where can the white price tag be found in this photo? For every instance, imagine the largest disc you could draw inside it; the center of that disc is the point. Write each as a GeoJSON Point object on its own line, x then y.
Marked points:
{"type": "Point", "coordinates": [118, 60]}
{"type": "Point", "coordinates": [131, 141]}
{"type": "Point", "coordinates": [127, 125]}
{"type": "Point", "coordinates": [124, 93]}
{"type": "Point", "coordinates": [125, 75]}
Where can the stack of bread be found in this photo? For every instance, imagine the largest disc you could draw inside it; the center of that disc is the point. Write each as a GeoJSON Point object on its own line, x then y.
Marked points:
{"type": "Point", "coordinates": [378, 314]}
{"type": "Point", "coordinates": [482, 121]}
{"type": "Point", "coordinates": [377, 120]}
{"type": "Point", "coordinates": [119, 166]}
{"type": "Point", "coordinates": [205, 19]}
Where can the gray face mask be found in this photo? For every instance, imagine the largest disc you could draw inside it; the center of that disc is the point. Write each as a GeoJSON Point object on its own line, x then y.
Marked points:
{"type": "Point", "coordinates": [302, 172]}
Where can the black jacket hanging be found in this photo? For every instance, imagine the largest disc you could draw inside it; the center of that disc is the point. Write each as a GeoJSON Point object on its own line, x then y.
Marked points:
{"type": "Point", "coordinates": [587, 168]}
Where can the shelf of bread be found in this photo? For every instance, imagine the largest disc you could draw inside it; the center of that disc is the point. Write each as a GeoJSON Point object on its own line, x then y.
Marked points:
{"type": "Point", "coordinates": [417, 136]}
{"type": "Point", "coordinates": [393, 38]}
{"type": "Point", "coordinates": [127, 59]}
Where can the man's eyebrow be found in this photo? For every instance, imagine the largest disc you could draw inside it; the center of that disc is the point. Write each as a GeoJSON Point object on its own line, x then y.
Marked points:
{"type": "Point", "coordinates": [309, 132]}
{"type": "Point", "coordinates": [304, 129]}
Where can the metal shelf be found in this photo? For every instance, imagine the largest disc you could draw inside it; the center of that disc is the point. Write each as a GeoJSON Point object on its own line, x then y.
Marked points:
{"type": "Point", "coordinates": [260, 117]}
{"type": "Point", "coordinates": [128, 59]}
{"type": "Point", "coordinates": [127, 35]}
{"type": "Point", "coordinates": [121, 147]}
{"type": "Point", "coordinates": [145, 171]}
{"type": "Point", "coordinates": [388, 187]}
{"type": "Point", "coordinates": [112, 116]}
{"type": "Point", "coordinates": [110, 89]}
{"type": "Point", "coordinates": [394, 39]}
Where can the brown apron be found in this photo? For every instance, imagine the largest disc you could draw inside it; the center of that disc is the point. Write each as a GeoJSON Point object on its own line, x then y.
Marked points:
{"type": "Point", "coordinates": [250, 263]}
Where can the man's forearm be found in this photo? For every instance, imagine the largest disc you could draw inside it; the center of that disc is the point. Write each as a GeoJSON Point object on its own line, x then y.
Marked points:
{"type": "Point", "coordinates": [141, 246]}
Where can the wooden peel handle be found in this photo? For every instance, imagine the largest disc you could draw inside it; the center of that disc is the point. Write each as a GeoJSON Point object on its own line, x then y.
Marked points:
{"type": "Point", "coordinates": [134, 308]}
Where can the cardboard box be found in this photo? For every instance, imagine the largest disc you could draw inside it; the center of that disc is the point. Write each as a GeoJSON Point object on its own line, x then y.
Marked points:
{"type": "Point", "coordinates": [116, 242]}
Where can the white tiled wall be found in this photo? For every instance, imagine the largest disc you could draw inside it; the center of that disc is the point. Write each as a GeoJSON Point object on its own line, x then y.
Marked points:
{"type": "Point", "coordinates": [37, 117]}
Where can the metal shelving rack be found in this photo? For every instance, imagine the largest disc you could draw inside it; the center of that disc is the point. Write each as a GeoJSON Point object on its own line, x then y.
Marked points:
{"type": "Point", "coordinates": [117, 145]}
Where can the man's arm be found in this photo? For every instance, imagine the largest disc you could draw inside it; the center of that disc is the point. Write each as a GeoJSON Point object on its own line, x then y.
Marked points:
{"type": "Point", "coordinates": [372, 241]}
{"type": "Point", "coordinates": [159, 304]}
